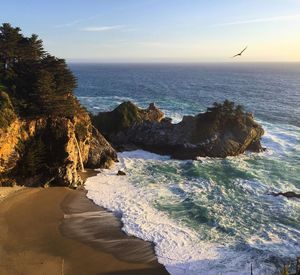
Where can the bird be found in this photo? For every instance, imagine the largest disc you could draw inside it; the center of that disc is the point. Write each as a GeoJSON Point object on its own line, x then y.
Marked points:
{"type": "Point", "coordinates": [240, 54]}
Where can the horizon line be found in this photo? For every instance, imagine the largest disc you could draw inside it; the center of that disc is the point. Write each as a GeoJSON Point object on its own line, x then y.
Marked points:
{"type": "Point", "coordinates": [68, 60]}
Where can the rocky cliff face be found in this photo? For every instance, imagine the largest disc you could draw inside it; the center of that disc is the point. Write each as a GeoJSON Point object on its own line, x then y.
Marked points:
{"type": "Point", "coordinates": [49, 150]}
{"type": "Point", "coordinates": [223, 130]}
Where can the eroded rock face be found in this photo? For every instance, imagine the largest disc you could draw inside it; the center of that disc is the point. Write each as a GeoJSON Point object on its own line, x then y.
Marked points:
{"type": "Point", "coordinates": [221, 131]}
{"type": "Point", "coordinates": [51, 150]}
{"type": "Point", "coordinates": [101, 154]}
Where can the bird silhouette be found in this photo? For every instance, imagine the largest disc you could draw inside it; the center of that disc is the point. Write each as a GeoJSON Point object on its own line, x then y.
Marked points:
{"type": "Point", "coordinates": [240, 54]}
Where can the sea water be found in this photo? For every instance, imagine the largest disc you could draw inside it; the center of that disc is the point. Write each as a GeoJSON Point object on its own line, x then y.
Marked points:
{"type": "Point", "coordinates": [212, 216]}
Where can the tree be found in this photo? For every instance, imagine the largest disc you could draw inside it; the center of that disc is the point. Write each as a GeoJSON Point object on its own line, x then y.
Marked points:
{"type": "Point", "coordinates": [39, 83]}
{"type": "Point", "coordinates": [34, 158]}
{"type": "Point", "coordinates": [10, 39]}
{"type": "Point", "coordinates": [228, 106]}
{"type": "Point", "coordinates": [239, 111]}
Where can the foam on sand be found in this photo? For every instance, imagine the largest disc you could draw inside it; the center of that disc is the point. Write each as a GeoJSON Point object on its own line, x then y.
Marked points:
{"type": "Point", "coordinates": [180, 248]}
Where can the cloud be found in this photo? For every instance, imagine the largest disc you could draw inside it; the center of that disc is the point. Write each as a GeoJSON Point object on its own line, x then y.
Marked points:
{"type": "Point", "coordinates": [103, 28]}
{"type": "Point", "coordinates": [260, 20]}
{"type": "Point", "coordinates": [76, 22]}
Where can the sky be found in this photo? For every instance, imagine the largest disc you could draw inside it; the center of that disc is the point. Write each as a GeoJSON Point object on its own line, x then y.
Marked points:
{"type": "Point", "coordinates": [161, 30]}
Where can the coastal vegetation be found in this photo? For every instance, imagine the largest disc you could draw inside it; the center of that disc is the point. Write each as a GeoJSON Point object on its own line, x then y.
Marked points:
{"type": "Point", "coordinates": [37, 82]}
{"type": "Point", "coordinates": [46, 136]}
{"type": "Point", "coordinates": [124, 116]}
{"type": "Point", "coordinates": [7, 114]}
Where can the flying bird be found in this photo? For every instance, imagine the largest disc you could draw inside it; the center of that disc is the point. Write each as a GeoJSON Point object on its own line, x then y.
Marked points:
{"type": "Point", "coordinates": [240, 54]}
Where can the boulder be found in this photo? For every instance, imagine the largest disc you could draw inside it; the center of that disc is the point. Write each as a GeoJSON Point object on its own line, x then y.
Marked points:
{"type": "Point", "coordinates": [288, 194]}
{"type": "Point", "coordinates": [121, 173]}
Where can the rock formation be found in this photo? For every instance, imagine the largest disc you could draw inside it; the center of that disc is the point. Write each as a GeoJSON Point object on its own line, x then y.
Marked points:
{"type": "Point", "coordinates": [39, 150]}
{"type": "Point", "coordinates": [289, 195]}
{"type": "Point", "coordinates": [125, 116]}
{"type": "Point", "coordinates": [46, 136]}
{"type": "Point", "coordinates": [224, 130]}
{"type": "Point", "coordinates": [121, 173]}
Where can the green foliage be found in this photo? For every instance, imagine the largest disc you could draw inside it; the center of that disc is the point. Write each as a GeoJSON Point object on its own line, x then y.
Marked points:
{"type": "Point", "coordinates": [81, 131]}
{"type": "Point", "coordinates": [227, 109]}
{"type": "Point", "coordinates": [219, 117]}
{"type": "Point", "coordinates": [58, 132]}
{"type": "Point", "coordinates": [7, 114]}
{"type": "Point", "coordinates": [34, 158]}
{"type": "Point", "coordinates": [124, 116]}
{"type": "Point", "coordinates": [39, 83]}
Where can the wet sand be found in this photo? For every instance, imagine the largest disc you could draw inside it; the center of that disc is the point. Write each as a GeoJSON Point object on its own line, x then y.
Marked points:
{"type": "Point", "coordinates": [59, 231]}
{"type": "Point", "coordinates": [7, 191]}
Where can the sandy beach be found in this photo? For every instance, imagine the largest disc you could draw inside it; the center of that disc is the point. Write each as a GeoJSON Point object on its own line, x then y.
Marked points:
{"type": "Point", "coordinates": [59, 231]}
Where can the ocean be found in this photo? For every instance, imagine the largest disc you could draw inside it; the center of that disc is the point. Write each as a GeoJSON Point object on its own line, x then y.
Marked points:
{"type": "Point", "coordinates": [214, 216]}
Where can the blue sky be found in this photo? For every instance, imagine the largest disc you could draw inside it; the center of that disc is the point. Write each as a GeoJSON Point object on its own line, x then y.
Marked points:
{"type": "Point", "coordinates": [161, 30]}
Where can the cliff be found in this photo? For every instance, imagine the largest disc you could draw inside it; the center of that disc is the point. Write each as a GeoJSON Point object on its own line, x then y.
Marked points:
{"type": "Point", "coordinates": [49, 149]}
{"type": "Point", "coordinates": [46, 136]}
{"type": "Point", "coordinates": [224, 130]}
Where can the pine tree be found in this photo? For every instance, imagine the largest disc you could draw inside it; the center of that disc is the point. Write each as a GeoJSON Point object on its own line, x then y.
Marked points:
{"type": "Point", "coordinates": [39, 83]}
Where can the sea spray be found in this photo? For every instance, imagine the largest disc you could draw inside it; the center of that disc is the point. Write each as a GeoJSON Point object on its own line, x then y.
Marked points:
{"type": "Point", "coordinates": [225, 203]}
{"type": "Point", "coordinates": [209, 217]}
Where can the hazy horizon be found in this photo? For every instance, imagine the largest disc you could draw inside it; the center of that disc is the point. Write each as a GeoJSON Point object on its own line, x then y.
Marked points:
{"type": "Point", "coordinates": [91, 61]}
{"type": "Point", "coordinates": [115, 31]}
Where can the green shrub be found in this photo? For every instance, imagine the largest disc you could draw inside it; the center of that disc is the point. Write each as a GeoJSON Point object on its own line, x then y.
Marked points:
{"type": "Point", "coordinates": [81, 131]}
{"type": "Point", "coordinates": [7, 114]}
{"type": "Point", "coordinates": [124, 116]}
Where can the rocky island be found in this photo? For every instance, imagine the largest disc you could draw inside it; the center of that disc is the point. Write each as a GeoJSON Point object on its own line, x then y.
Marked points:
{"type": "Point", "coordinates": [223, 130]}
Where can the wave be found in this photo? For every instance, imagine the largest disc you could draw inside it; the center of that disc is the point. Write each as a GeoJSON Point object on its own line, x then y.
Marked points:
{"type": "Point", "coordinates": [210, 217]}
{"type": "Point", "coordinates": [180, 248]}
{"type": "Point", "coordinates": [177, 247]}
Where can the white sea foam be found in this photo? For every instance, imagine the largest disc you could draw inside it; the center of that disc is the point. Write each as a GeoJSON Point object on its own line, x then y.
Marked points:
{"type": "Point", "coordinates": [189, 250]}
{"type": "Point", "coordinates": [180, 248]}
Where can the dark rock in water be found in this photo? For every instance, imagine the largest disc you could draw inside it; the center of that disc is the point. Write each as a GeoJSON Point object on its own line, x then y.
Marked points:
{"type": "Point", "coordinates": [288, 194]}
{"type": "Point", "coordinates": [224, 130]}
{"type": "Point", "coordinates": [124, 116]}
{"type": "Point", "coordinates": [121, 173]}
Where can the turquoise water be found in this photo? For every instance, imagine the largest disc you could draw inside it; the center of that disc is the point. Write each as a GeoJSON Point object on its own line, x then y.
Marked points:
{"type": "Point", "coordinates": [226, 203]}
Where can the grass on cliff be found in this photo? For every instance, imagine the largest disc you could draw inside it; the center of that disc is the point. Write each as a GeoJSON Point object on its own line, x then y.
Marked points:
{"type": "Point", "coordinates": [7, 114]}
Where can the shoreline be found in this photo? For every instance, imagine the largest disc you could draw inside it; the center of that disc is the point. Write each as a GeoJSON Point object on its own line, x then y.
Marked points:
{"type": "Point", "coordinates": [6, 192]}
{"type": "Point", "coordinates": [55, 230]}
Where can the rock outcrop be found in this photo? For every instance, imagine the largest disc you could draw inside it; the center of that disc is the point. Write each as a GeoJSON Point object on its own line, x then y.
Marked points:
{"type": "Point", "coordinates": [46, 136]}
{"type": "Point", "coordinates": [125, 116]}
{"type": "Point", "coordinates": [289, 195]}
{"type": "Point", "coordinates": [224, 130]}
{"type": "Point", "coordinates": [49, 150]}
